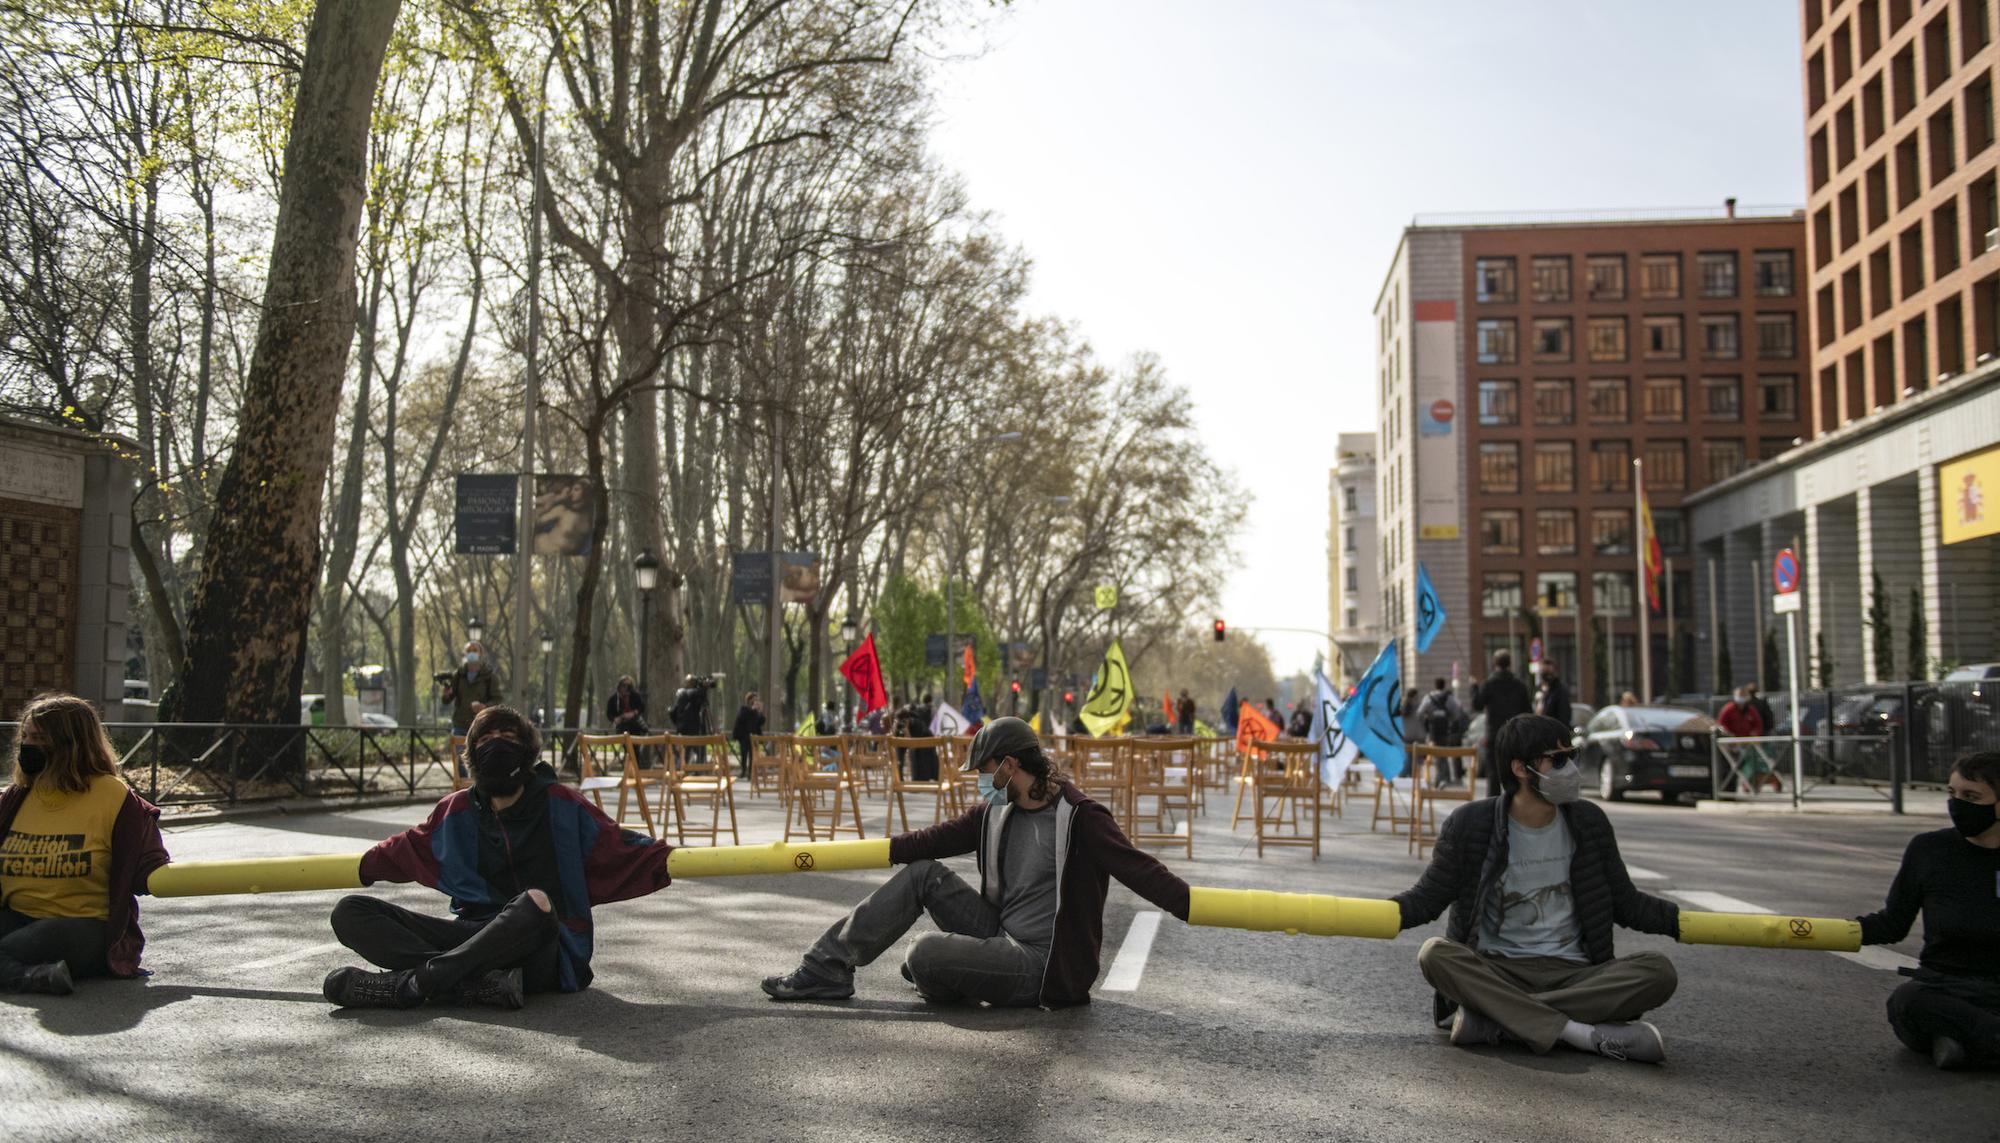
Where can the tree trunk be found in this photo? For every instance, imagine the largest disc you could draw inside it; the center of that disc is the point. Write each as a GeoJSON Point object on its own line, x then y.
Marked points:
{"type": "Point", "coordinates": [247, 627]}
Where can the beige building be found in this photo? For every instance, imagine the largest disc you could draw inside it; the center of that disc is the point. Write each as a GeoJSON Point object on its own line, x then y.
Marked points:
{"type": "Point", "coordinates": [1352, 570]}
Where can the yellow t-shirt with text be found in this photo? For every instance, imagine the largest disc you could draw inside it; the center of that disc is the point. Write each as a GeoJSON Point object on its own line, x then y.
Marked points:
{"type": "Point", "coordinates": [56, 860]}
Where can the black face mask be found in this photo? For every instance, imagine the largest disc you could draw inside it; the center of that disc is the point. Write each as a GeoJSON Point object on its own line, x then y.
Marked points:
{"type": "Point", "coordinates": [1970, 819]}
{"type": "Point", "coordinates": [31, 759]}
{"type": "Point", "coordinates": [499, 767]}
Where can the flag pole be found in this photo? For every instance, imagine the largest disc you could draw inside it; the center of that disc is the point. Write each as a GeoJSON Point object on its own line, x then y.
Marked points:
{"type": "Point", "coordinates": [1642, 598]}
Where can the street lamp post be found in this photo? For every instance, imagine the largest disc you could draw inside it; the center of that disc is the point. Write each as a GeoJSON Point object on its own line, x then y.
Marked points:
{"type": "Point", "coordinates": [475, 631]}
{"type": "Point", "coordinates": [548, 643]}
{"type": "Point", "coordinates": [646, 573]}
{"type": "Point", "coordinates": [848, 631]}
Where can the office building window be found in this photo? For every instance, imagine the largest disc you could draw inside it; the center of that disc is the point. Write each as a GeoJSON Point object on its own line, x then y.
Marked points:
{"type": "Point", "coordinates": [1777, 336]}
{"type": "Point", "coordinates": [1660, 276]}
{"type": "Point", "coordinates": [1671, 530]}
{"type": "Point", "coordinates": [1720, 460]}
{"type": "Point", "coordinates": [1555, 531]}
{"type": "Point", "coordinates": [1774, 273]}
{"type": "Point", "coordinates": [1555, 401]}
{"type": "Point", "coordinates": [1555, 466]}
{"type": "Point", "coordinates": [1718, 273]}
{"type": "Point", "coordinates": [1666, 465]}
{"type": "Point", "coordinates": [1353, 580]}
{"type": "Point", "coordinates": [1500, 532]}
{"type": "Point", "coordinates": [1662, 338]}
{"type": "Point", "coordinates": [1607, 339]}
{"type": "Point", "coordinates": [1499, 402]}
{"type": "Point", "coordinates": [1496, 341]}
{"type": "Point", "coordinates": [1611, 531]}
{"type": "Point", "coordinates": [1551, 279]}
{"type": "Point", "coordinates": [1347, 541]}
{"type": "Point", "coordinates": [1771, 448]}
{"type": "Point", "coordinates": [1493, 279]}
{"type": "Point", "coordinates": [1610, 466]}
{"type": "Point", "coordinates": [1719, 340]}
{"type": "Point", "coordinates": [1552, 339]}
{"type": "Point", "coordinates": [1499, 467]}
{"type": "Point", "coordinates": [1666, 400]}
{"type": "Point", "coordinates": [1609, 401]}
{"type": "Point", "coordinates": [1605, 274]}
{"type": "Point", "coordinates": [1499, 594]}
{"type": "Point", "coordinates": [1351, 498]}
{"type": "Point", "coordinates": [1722, 398]}
{"type": "Point", "coordinates": [1353, 617]}
{"type": "Point", "coordinates": [1557, 590]}
{"type": "Point", "coordinates": [1612, 593]}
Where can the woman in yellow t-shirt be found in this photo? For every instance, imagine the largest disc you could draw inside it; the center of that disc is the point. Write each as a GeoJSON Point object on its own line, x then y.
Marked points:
{"type": "Point", "coordinates": [76, 847]}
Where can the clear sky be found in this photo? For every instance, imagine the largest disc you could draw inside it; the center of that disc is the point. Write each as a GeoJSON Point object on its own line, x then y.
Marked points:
{"type": "Point", "coordinates": [1224, 184]}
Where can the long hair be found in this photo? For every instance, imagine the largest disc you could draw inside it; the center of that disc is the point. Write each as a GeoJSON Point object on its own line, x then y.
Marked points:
{"type": "Point", "coordinates": [74, 739]}
{"type": "Point", "coordinates": [1048, 776]}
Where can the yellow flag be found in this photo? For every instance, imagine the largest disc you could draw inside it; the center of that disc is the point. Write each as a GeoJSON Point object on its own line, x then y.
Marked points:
{"type": "Point", "coordinates": [1035, 723]}
{"type": "Point", "coordinates": [1109, 705]}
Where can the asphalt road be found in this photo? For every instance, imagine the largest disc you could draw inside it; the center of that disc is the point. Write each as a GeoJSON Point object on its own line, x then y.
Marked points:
{"type": "Point", "coordinates": [1227, 1035]}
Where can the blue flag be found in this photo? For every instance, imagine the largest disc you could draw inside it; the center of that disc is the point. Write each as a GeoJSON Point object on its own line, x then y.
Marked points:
{"type": "Point", "coordinates": [1336, 750]}
{"type": "Point", "coordinates": [1230, 712]}
{"type": "Point", "coordinates": [1430, 610]}
{"type": "Point", "coordinates": [1373, 718]}
{"type": "Point", "coordinates": [975, 710]}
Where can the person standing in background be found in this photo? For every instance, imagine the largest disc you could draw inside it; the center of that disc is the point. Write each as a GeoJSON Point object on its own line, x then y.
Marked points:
{"type": "Point", "coordinates": [472, 688]}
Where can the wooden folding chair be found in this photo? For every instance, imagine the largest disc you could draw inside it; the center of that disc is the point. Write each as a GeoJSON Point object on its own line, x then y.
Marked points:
{"type": "Point", "coordinates": [604, 762]}
{"type": "Point", "coordinates": [872, 761]}
{"type": "Point", "coordinates": [1290, 778]}
{"type": "Point", "coordinates": [1103, 773]}
{"type": "Point", "coordinates": [941, 789]}
{"type": "Point", "coordinates": [650, 763]}
{"type": "Point", "coordinates": [821, 783]}
{"type": "Point", "coordinates": [767, 765]}
{"type": "Point", "coordinates": [1248, 760]}
{"type": "Point", "coordinates": [699, 772]}
{"type": "Point", "coordinates": [1429, 762]}
{"type": "Point", "coordinates": [461, 766]}
{"type": "Point", "coordinates": [1397, 794]}
{"type": "Point", "coordinates": [1162, 769]}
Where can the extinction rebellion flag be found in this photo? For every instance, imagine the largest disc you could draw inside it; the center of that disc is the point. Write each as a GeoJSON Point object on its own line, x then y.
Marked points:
{"type": "Point", "coordinates": [863, 669]}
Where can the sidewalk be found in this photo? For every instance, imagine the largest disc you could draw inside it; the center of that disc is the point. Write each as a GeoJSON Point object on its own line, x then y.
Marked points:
{"type": "Point", "coordinates": [1917, 803]}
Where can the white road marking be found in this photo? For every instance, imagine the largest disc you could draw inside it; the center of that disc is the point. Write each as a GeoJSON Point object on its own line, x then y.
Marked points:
{"type": "Point", "coordinates": [295, 954]}
{"type": "Point", "coordinates": [1131, 961]}
{"type": "Point", "coordinates": [1870, 956]}
{"type": "Point", "coordinates": [1638, 874]}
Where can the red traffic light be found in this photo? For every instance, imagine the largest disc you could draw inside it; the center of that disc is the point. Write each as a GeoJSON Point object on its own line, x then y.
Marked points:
{"type": "Point", "coordinates": [1221, 630]}
{"type": "Point", "coordinates": [1069, 696]}
{"type": "Point", "coordinates": [1016, 684]}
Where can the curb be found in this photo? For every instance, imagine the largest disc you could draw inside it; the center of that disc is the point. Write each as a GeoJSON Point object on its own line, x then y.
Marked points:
{"type": "Point", "coordinates": [1786, 809]}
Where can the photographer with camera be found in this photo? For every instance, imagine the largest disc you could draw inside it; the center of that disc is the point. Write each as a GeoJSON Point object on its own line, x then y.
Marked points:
{"type": "Point", "coordinates": [690, 710]}
{"type": "Point", "coordinates": [471, 688]}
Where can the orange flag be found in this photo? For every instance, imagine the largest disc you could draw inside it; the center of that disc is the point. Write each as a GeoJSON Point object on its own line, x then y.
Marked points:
{"type": "Point", "coordinates": [1253, 726]}
{"type": "Point", "coordinates": [971, 672]}
{"type": "Point", "coordinates": [1167, 705]}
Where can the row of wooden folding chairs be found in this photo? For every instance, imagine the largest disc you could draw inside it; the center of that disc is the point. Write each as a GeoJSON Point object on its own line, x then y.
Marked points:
{"type": "Point", "coordinates": [1153, 786]}
{"type": "Point", "coordinates": [685, 771]}
{"type": "Point", "coordinates": [1281, 781]}
{"type": "Point", "coordinates": [820, 779]}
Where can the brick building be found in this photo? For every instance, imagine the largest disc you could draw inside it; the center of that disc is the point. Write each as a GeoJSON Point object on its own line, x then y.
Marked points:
{"type": "Point", "coordinates": [1523, 365]}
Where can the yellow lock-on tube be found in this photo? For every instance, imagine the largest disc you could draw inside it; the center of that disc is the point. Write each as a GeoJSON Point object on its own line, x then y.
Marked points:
{"type": "Point", "coordinates": [1316, 914]}
{"type": "Point", "coordinates": [778, 857]}
{"type": "Point", "coordinates": [256, 875]}
{"type": "Point", "coordinates": [1767, 931]}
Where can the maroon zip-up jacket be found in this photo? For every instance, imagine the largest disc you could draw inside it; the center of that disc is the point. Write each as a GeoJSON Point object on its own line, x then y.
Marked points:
{"type": "Point", "coordinates": [136, 850]}
{"type": "Point", "coordinates": [1091, 850]}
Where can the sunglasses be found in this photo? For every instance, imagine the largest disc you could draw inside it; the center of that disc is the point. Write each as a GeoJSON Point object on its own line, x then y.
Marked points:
{"type": "Point", "coordinates": [1559, 757]}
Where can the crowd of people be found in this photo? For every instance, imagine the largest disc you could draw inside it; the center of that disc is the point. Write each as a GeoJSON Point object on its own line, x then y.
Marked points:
{"type": "Point", "coordinates": [1530, 878]}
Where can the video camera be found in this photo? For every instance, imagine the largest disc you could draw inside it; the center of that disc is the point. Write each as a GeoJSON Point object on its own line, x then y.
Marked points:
{"type": "Point", "coordinates": [441, 678]}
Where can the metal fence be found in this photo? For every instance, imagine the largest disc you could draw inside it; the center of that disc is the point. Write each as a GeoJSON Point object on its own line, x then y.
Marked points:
{"type": "Point", "coordinates": [1826, 768]}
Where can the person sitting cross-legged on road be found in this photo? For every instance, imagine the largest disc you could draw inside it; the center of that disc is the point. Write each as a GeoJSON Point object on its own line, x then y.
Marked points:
{"type": "Point", "coordinates": [523, 858]}
{"type": "Point", "coordinates": [1950, 1009]}
{"type": "Point", "coordinates": [1031, 933]}
{"type": "Point", "coordinates": [76, 848]}
{"type": "Point", "coordinates": [1534, 883]}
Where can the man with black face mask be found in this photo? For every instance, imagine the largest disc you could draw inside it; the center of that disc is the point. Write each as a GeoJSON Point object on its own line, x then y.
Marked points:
{"type": "Point", "coordinates": [1950, 1009]}
{"type": "Point", "coordinates": [523, 857]}
{"type": "Point", "coordinates": [1534, 883]}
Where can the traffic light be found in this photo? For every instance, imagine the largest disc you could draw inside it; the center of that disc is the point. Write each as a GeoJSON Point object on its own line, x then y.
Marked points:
{"type": "Point", "coordinates": [1016, 684]}
{"type": "Point", "coordinates": [1069, 697]}
{"type": "Point", "coordinates": [1221, 630]}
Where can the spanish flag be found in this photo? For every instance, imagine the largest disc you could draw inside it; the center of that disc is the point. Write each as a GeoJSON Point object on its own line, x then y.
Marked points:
{"type": "Point", "coordinates": [1650, 544]}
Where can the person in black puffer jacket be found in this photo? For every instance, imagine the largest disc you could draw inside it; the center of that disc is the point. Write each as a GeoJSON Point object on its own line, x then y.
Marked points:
{"type": "Point", "coordinates": [1534, 883]}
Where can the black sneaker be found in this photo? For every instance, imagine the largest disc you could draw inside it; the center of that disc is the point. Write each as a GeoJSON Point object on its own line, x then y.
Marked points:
{"type": "Point", "coordinates": [358, 988]}
{"type": "Point", "coordinates": [1471, 1029]}
{"type": "Point", "coordinates": [53, 979]}
{"type": "Point", "coordinates": [496, 989]}
{"type": "Point", "coordinates": [805, 984]}
{"type": "Point", "coordinates": [1947, 1054]}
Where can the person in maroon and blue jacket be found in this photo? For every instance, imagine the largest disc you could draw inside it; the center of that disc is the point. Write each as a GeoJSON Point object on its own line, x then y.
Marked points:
{"type": "Point", "coordinates": [522, 857]}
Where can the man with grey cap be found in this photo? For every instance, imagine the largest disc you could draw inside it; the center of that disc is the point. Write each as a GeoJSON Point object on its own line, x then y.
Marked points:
{"type": "Point", "coordinates": [1031, 933]}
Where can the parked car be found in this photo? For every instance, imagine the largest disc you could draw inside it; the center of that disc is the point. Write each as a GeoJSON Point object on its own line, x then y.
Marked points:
{"type": "Point", "coordinates": [376, 719]}
{"type": "Point", "coordinates": [1663, 749]}
{"type": "Point", "coordinates": [1972, 673]}
{"type": "Point", "coordinates": [1475, 731]}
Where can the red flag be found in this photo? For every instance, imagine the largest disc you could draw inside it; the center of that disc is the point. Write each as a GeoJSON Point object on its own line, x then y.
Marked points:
{"type": "Point", "coordinates": [1252, 726]}
{"type": "Point", "coordinates": [1167, 705]}
{"type": "Point", "coordinates": [971, 672]}
{"type": "Point", "coordinates": [863, 669]}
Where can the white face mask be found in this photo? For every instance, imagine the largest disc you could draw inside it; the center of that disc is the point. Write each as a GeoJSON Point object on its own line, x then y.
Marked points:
{"type": "Point", "coordinates": [995, 795]}
{"type": "Point", "coordinates": [1561, 785]}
